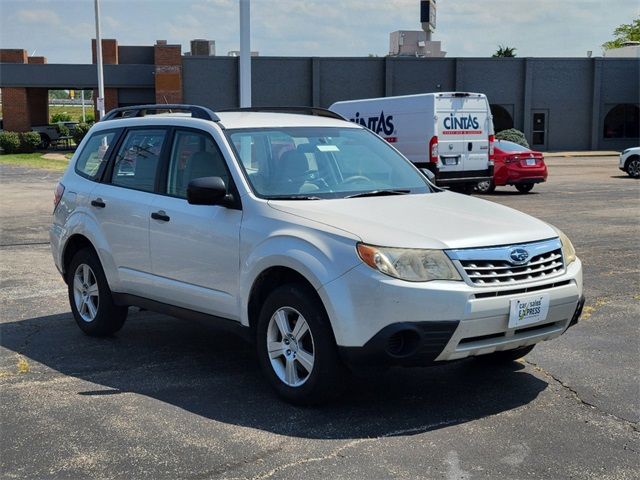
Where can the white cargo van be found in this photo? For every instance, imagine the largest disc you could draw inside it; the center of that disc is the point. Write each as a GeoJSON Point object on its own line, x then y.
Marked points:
{"type": "Point", "coordinates": [449, 133]}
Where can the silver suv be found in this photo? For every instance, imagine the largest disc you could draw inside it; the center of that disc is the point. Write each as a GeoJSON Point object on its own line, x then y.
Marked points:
{"type": "Point", "coordinates": [309, 235]}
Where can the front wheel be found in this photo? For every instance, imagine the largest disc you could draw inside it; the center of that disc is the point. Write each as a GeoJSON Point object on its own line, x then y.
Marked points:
{"type": "Point", "coordinates": [524, 187]}
{"type": "Point", "coordinates": [296, 347]}
{"type": "Point", "coordinates": [45, 141]}
{"type": "Point", "coordinates": [486, 187]}
{"type": "Point", "coordinates": [633, 167]}
{"type": "Point", "coordinates": [90, 297]}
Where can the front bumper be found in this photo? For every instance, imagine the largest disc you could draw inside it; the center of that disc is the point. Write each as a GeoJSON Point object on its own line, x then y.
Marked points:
{"type": "Point", "coordinates": [441, 320]}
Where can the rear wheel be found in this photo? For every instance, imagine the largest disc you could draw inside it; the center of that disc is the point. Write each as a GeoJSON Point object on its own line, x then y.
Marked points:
{"type": "Point", "coordinates": [505, 356]}
{"type": "Point", "coordinates": [90, 297]}
{"type": "Point", "coordinates": [633, 167]}
{"type": "Point", "coordinates": [524, 187]}
{"type": "Point", "coordinates": [486, 187]}
{"type": "Point", "coordinates": [45, 141]}
{"type": "Point", "coordinates": [296, 347]}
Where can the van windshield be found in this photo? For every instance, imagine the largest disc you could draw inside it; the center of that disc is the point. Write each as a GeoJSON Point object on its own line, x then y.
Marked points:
{"type": "Point", "coordinates": [323, 162]}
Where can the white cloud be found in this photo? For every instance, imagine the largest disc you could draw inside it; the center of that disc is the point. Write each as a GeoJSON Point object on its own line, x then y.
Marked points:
{"type": "Point", "coordinates": [38, 16]}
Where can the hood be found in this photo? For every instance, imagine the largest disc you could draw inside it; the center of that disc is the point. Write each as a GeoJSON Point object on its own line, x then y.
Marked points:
{"type": "Point", "coordinates": [435, 220]}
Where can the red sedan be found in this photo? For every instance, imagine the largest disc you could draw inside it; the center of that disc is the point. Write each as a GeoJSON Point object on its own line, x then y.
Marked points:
{"type": "Point", "coordinates": [515, 165]}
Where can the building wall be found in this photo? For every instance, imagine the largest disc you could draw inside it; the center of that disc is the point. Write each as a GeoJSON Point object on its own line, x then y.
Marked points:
{"type": "Point", "coordinates": [574, 93]}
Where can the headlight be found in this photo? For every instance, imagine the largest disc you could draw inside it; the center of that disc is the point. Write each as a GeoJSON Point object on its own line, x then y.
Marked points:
{"type": "Point", "coordinates": [567, 247]}
{"type": "Point", "coordinates": [411, 264]}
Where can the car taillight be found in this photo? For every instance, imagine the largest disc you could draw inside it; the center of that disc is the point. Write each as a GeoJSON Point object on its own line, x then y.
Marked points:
{"type": "Point", "coordinates": [57, 196]}
{"type": "Point", "coordinates": [492, 154]}
{"type": "Point", "coordinates": [433, 149]}
{"type": "Point", "coordinates": [511, 159]}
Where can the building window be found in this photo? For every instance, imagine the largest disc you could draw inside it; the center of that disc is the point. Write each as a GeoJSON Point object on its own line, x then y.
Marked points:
{"type": "Point", "coordinates": [501, 118]}
{"type": "Point", "coordinates": [622, 121]}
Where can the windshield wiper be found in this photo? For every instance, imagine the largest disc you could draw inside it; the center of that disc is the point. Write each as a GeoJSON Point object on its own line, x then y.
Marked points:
{"type": "Point", "coordinates": [293, 197]}
{"type": "Point", "coordinates": [379, 193]}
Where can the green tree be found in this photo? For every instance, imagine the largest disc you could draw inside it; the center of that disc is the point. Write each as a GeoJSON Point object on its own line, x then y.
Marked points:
{"type": "Point", "coordinates": [624, 33]}
{"type": "Point", "coordinates": [505, 52]}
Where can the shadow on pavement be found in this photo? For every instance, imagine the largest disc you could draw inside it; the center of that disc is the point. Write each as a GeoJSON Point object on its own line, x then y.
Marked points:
{"type": "Point", "coordinates": [215, 375]}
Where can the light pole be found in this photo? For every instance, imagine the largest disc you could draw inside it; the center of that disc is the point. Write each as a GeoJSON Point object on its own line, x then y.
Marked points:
{"type": "Point", "coordinates": [245, 53]}
{"type": "Point", "coordinates": [100, 100]}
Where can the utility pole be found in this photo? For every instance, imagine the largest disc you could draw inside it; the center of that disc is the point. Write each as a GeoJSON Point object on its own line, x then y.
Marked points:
{"type": "Point", "coordinates": [245, 53]}
{"type": "Point", "coordinates": [100, 100]}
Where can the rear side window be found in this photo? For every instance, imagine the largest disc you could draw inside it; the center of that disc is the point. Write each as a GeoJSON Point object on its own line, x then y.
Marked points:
{"type": "Point", "coordinates": [194, 155]}
{"type": "Point", "coordinates": [137, 160]}
{"type": "Point", "coordinates": [95, 153]}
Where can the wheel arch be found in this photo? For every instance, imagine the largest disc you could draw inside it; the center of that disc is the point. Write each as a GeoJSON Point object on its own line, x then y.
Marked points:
{"type": "Point", "coordinates": [73, 245]}
{"type": "Point", "coordinates": [628, 160]}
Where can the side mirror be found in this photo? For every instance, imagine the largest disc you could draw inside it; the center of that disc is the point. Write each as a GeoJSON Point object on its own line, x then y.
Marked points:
{"type": "Point", "coordinates": [208, 191]}
{"type": "Point", "coordinates": [429, 174]}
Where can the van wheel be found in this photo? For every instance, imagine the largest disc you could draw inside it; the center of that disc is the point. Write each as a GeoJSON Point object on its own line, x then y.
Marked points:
{"type": "Point", "coordinates": [524, 187]}
{"type": "Point", "coordinates": [296, 347]}
{"type": "Point", "coordinates": [505, 356]}
{"type": "Point", "coordinates": [486, 187]}
{"type": "Point", "coordinates": [90, 297]}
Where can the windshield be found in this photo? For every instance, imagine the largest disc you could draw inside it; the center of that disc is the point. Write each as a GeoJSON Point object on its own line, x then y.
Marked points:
{"type": "Point", "coordinates": [323, 162]}
{"type": "Point", "coordinates": [510, 146]}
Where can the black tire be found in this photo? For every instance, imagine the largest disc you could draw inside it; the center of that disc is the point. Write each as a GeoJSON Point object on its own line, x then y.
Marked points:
{"type": "Point", "coordinates": [505, 356]}
{"type": "Point", "coordinates": [486, 187]}
{"type": "Point", "coordinates": [326, 379]}
{"type": "Point", "coordinates": [109, 317]}
{"type": "Point", "coordinates": [45, 141]}
{"type": "Point", "coordinates": [524, 187]}
{"type": "Point", "coordinates": [633, 167]}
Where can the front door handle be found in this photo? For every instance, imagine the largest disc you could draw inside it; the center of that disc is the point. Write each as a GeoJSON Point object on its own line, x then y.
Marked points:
{"type": "Point", "coordinates": [160, 215]}
{"type": "Point", "coordinates": [98, 202]}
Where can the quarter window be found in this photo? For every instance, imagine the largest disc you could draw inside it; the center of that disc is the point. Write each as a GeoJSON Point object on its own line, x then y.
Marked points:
{"type": "Point", "coordinates": [95, 154]}
{"type": "Point", "coordinates": [194, 155]}
{"type": "Point", "coordinates": [137, 160]}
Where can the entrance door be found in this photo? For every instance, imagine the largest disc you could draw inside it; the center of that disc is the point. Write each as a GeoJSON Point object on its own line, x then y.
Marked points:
{"type": "Point", "coordinates": [539, 129]}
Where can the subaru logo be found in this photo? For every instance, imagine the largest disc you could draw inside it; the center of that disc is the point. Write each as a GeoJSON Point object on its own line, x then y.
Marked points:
{"type": "Point", "coordinates": [519, 256]}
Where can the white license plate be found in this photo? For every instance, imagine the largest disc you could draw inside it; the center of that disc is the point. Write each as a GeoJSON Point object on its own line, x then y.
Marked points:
{"type": "Point", "coordinates": [528, 310]}
{"type": "Point", "coordinates": [451, 160]}
{"type": "Point", "coordinates": [531, 162]}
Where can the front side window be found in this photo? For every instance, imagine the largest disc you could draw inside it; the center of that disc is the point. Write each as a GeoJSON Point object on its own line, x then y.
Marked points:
{"type": "Point", "coordinates": [194, 155]}
{"type": "Point", "coordinates": [322, 162]}
{"type": "Point", "coordinates": [137, 160]}
{"type": "Point", "coordinates": [95, 154]}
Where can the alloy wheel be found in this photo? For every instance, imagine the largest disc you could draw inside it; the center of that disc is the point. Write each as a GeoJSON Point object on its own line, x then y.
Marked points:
{"type": "Point", "coordinates": [85, 292]}
{"type": "Point", "coordinates": [290, 346]}
{"type": "Point", "coordinates": [634, 168]}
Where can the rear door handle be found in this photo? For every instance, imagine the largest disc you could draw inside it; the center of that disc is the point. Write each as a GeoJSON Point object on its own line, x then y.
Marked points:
{"type": "Point", "coordinates": [98, 202]}
{"type": "Point", "coordinates": [161, 215]}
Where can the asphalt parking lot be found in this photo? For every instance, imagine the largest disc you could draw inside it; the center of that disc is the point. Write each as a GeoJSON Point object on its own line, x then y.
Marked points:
{"type": "Point", "coordinates": [166, 398]}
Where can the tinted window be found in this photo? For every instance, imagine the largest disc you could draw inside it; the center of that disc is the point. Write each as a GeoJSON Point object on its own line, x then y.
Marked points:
{"type": "Point", "coordinates": [137, 160]}
{"type": "Point", "coordinates": [95, 153]}
{"type": "Point", "coordinates": [194, 155]}
{"type": "Point", "coordinates": [510, 146]}
{"type": "Point", "coordinates": [622, 121]}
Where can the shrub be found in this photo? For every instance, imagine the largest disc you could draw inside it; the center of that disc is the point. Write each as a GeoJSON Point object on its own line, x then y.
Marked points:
{"type": "Point", "coordinates": [90, 118]}
{"type": "Point", "coordinates": [60, 117]}
{"type": "Point", "coordinates": [29, 141]}
{"type": "Point", "coordinates": [513, 135]}
{"type": "Point", "coordinates": [80, 131]}
{"type": "Point", "coordinates": [63, 130]}
{"type": "Point", "coordinates": [9, 142]}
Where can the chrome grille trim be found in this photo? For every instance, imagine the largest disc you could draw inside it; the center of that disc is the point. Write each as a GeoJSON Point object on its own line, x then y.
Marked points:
{"type": "Point", "coordinates": [487, 267]}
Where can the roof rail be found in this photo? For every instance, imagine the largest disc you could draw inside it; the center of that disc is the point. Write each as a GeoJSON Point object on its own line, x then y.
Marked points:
{"type": "Point", "coordinates": [315, 111]}
{"type": "Point", "coordinates": [142, 111]}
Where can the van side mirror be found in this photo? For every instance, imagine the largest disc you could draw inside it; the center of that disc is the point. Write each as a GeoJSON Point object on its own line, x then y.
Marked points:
{"type": "Point", "coordinates": [429, 174]}
{"type": "Point", "coordinates": [208, 191]}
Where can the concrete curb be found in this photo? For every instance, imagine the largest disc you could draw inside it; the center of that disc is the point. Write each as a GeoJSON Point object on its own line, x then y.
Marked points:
{"type": "Point", "coordinates": [582, 154]}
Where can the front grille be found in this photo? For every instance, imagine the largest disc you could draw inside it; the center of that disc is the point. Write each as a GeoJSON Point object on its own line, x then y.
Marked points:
{"type": "Point", "coordinates": [483, 272]}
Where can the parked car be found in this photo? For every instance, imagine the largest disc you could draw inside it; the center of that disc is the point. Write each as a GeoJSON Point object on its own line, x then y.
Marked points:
{"type": "Point", "coordinates": [515, 165]}
{"type": "Point", "coordinates": [449, 133]}
{"type": "Point", "coordinates": [310, 236]}
{"type": "Point", "coordinates": [51, 133]}
{"type": "Point", "coordinates": [630, 162]}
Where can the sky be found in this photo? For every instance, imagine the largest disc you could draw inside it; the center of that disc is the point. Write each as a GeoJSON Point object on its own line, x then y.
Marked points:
{"type": "Point", "coordinates": [61, 29]}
